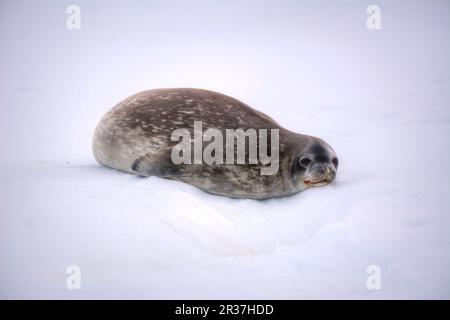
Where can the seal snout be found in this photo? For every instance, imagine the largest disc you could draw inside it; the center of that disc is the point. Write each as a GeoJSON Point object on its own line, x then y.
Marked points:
{"type": "Point", "coordinates": [320, 174]}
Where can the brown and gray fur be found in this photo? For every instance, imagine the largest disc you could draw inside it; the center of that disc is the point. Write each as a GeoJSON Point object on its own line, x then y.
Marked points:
{"type": "Point", "coordinates": [135, 136]}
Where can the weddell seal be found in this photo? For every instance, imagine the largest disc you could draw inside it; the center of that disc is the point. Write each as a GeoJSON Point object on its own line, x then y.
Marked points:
{"type": "Point", "coordinates": [200, 137]}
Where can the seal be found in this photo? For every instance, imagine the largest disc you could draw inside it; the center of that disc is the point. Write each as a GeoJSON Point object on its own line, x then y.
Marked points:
{"type": "Point", "coordinates": [137, 136]}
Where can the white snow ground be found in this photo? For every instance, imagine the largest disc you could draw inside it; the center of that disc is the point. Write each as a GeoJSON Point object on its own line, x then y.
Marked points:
{"type": "Point", "coordinates": [380, 98]}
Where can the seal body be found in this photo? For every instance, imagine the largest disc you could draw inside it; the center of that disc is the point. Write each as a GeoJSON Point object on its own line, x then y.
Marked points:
{"type": "Point", "coordinates": [136, 136]}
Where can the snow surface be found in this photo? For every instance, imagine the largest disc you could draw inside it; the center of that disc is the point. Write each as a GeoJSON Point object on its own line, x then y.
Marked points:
{"type": "Point", "coordinates": [380, 98]}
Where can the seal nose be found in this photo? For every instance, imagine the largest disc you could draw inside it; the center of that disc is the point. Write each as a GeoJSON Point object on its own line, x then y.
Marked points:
{"type": "Point", "coordinates": [330, 174]}
{"type": "Point", "coordinates": [326, 171]}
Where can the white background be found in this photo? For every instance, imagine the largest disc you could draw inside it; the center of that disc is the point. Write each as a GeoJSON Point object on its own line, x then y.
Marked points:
{"type": "Point", "coordinates": [380, 98]}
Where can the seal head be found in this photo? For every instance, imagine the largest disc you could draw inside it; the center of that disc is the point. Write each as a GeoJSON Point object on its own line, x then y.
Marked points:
{"type": "Point", "coordinates": [315, 166]}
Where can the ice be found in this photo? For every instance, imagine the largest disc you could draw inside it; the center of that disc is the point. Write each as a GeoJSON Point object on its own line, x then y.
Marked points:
{"type": "Point", "coordinates": [380, 98]}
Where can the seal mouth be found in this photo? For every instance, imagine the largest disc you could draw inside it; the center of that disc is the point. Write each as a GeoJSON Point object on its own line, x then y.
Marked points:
{"type": "Point", "coordinates": [317, 183]}
{"type": "Point", "coordinates": [325, 177]}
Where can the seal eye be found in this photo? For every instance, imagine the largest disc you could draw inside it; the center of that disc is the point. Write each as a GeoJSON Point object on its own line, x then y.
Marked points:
{"type": "Point", "coordinates": [305, 161]}
{"type": "Point", "coordinates": [335, 162]}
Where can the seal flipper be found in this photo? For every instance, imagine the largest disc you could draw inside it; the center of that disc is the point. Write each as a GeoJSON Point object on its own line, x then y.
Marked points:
{"type": "Point", "coordinates": [157, 164]}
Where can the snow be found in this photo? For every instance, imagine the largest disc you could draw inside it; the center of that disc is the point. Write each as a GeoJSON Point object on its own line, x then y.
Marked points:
{"type": "Point", "coordinates": [380, 98]}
